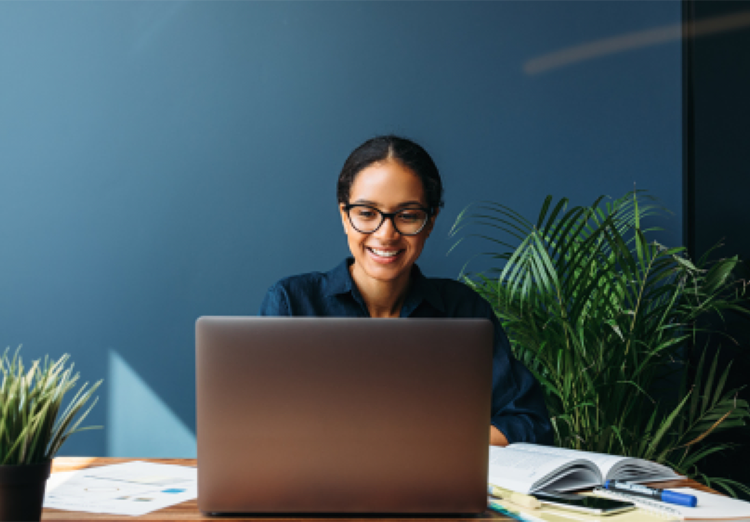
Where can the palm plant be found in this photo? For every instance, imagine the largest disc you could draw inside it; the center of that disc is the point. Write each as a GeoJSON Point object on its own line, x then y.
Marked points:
{"type": "Point", "coordinates": [30, 430]}
{"type": "Point", "coordinates": [604, 318]}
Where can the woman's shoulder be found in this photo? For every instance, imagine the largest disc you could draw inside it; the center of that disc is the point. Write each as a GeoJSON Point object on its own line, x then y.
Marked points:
{"type": "Point", "coordinates": [294, 295]}
{"type": "Point", "coordinates": [453, 286]}
{"type": "Point", "coordinates": [457, 295]}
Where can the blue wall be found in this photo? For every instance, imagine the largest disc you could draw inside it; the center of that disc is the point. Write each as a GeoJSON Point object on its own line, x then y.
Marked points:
{"type": "Point", "coordinates": [165, 160]}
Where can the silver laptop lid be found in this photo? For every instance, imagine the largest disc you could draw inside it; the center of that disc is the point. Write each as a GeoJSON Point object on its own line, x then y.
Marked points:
{"type": "Point", "coordinates": [341, 415]}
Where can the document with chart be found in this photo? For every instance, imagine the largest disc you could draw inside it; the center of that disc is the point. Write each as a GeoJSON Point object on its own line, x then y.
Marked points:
{"type": "Point", "coordinates": [133, 488]}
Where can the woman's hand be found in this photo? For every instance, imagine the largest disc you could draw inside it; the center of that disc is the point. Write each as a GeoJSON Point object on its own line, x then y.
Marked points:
{"type": "Point", "coordinates": [497, 438]}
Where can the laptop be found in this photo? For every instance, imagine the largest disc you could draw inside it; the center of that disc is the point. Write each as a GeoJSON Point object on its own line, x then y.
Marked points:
{"type": "Point", "coordinates": [343, 415]}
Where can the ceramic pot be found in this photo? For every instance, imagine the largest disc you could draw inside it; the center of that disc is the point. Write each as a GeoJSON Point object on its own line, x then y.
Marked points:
{"type": "Point", "coordinates": [22, 491]}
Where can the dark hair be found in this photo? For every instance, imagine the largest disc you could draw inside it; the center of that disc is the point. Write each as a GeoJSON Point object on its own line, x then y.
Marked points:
{"type": "Point", "coordinates": [406, 152]}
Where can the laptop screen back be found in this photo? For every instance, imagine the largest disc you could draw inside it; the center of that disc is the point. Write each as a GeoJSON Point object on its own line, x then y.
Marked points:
{"type": "Point", "coordinates": [334, 415]}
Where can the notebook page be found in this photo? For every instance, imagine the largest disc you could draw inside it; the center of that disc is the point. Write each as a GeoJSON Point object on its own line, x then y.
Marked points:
{"type": "Point", "coordinates": [521, 470]}
{"type": "Point", "coordinates": [603, 462]}
{"type": "Point", "coordinates": [712, 506]}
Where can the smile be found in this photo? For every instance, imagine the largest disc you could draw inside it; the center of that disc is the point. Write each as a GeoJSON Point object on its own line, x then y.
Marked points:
{"type": "Point", "coordinates": [384, 256]}
{"type": "Point", "coordinates": [385, 253]}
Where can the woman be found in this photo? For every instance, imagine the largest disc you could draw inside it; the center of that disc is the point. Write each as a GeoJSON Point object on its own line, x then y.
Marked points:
{"type": "Point", "coordinates": [390, 194]}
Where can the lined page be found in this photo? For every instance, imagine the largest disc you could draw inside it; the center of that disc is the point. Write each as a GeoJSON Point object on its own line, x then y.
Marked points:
{"type": "Point", "coordinates": [603, 461]}
{"type": "Point", "coordinates": [521, 470]}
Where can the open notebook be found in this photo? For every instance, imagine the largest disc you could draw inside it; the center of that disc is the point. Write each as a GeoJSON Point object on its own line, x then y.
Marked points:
{"type": "Point", "coordinates": [529, 467]}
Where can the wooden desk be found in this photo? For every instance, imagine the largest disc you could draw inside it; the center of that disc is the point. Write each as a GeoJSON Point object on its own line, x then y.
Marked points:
{"type": "Point", "coordinates": [188, 511]}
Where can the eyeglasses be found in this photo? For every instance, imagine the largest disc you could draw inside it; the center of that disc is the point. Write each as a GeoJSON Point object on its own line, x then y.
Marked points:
{"type": "Point", "coordinates": [408, 222]}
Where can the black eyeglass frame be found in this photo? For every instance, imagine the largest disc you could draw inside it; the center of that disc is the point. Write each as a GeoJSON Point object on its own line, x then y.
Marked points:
{"type": "Point", "coordinates": [387, 215]}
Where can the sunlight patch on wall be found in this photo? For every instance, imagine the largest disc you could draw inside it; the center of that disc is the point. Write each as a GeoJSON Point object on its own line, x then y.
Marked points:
{"type": "Point", "coordinates": [139, 423]}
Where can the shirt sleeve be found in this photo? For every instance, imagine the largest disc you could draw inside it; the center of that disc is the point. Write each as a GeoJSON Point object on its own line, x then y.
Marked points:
{"type": "Point", "coordinates": [518, 408]}
{"type": "Point", "coordinates": [276, 302]}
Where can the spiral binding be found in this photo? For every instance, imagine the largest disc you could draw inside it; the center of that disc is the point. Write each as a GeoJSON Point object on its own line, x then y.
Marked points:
{"type": "Point", "coordinates": [643, 503]}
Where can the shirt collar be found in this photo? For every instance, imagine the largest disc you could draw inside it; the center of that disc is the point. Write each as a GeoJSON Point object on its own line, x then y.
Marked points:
{"type": "Point", "coordinates": [339, 281]}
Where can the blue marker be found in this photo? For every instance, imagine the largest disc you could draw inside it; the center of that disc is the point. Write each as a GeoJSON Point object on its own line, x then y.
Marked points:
{"type": "Point", "coordinates": [671, 497]}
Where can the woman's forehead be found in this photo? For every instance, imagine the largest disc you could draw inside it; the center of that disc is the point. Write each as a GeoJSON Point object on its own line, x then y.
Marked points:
{"type": "Point", "coordinates": [389, 184]}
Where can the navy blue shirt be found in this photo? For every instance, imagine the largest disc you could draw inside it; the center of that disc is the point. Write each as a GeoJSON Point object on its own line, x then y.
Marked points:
{"type": "Point", "coordinates": [518, 408]}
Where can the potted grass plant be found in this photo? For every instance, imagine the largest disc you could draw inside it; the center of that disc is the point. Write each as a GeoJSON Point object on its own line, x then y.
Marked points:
{"type": "Point", "coordinates": [33, 427]}
{"type": "Point", "coordinates": [605, 318]}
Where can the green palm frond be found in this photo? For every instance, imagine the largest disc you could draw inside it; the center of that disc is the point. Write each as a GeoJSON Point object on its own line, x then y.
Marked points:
{"type": "Point", "coordinates": [602, 316]}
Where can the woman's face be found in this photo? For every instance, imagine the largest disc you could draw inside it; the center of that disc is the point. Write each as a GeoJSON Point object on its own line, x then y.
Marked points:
{"type": "Point", "coordinates": [386, 255]}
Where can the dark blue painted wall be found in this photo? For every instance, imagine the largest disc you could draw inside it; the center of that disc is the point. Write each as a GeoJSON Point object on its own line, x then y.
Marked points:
{"type": "Point", "coordinates": [165, 160]}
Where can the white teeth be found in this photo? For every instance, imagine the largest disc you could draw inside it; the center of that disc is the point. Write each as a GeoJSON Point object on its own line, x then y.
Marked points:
{"type": "Point", "coordinates": [385, 253]}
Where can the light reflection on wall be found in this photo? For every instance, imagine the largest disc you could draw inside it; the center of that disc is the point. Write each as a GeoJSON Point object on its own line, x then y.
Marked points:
{"type": "Point", "coordinates": [636, 40]}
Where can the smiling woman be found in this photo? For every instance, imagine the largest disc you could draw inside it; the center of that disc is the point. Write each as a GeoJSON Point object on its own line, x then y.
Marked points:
{"type": "Point", "coordinates": [390, 194]}
{"type": "Point", "coordinates": [384, 249]}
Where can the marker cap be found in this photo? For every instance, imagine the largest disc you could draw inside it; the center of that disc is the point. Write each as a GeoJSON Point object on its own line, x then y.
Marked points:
{"type": "Point", "coordinates": [680, 499]}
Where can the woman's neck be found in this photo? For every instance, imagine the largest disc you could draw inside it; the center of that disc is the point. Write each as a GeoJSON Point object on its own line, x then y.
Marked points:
{"type": "Point", "coordinates": [382, 298]}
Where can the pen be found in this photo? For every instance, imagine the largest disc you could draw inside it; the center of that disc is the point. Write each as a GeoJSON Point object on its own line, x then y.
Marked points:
{"type": "Point", "coordinates": [671, 497]}
{"type": "Point", "coordinates": [513, 496]}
